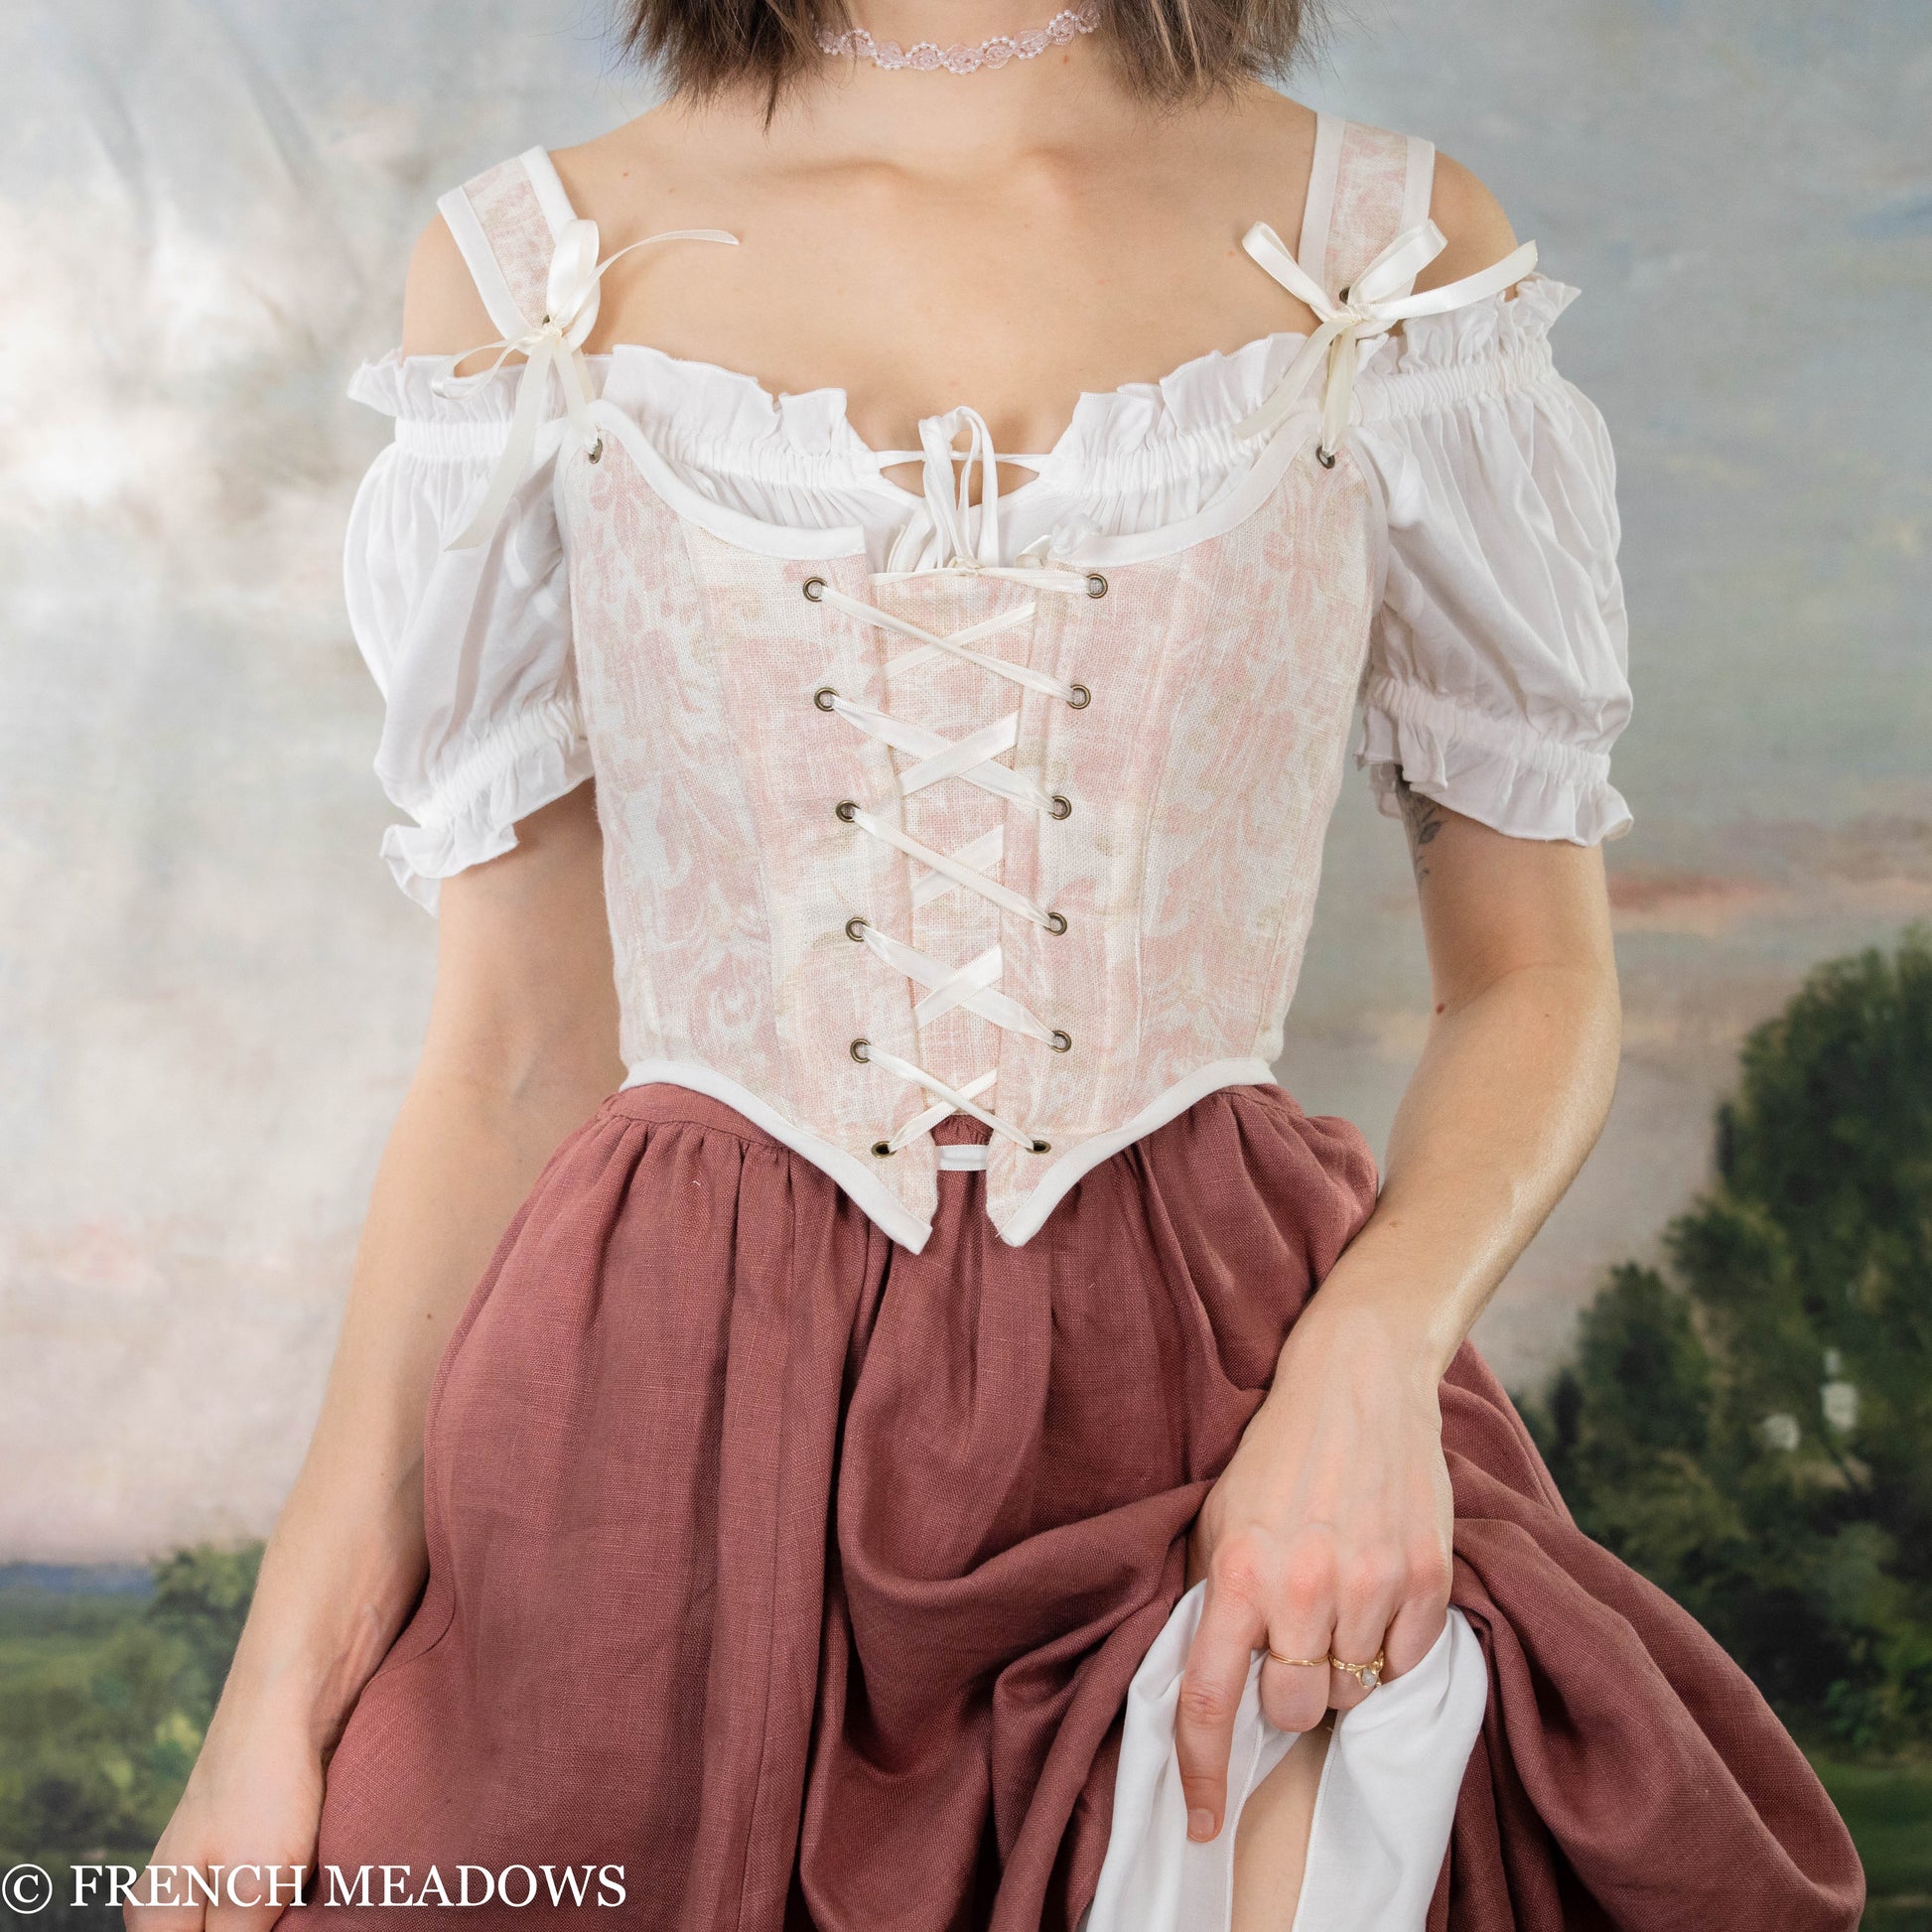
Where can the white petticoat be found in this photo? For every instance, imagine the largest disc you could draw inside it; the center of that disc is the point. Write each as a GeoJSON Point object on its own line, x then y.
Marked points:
{"type": "Point", "coordinates": [1382, 1813]}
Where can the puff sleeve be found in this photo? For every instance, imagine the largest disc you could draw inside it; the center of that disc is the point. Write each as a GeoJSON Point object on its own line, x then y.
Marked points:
{"type": "Point", "coordinates": [469, 648]}
{"type": "Point", "coordinates": [1497, 672]}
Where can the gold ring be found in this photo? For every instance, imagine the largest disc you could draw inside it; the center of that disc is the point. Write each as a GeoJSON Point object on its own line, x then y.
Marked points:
{"type": "Point", "coordinates": [1301, 1663]}
{"type": "Point", "coordinates": [1367, 1675]}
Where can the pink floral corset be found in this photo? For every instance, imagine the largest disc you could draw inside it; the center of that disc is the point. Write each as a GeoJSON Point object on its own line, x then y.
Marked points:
{"type": "Point", "coordinates": [1198, 783]}
{"type": "Point", "coordinates": [922, 803]}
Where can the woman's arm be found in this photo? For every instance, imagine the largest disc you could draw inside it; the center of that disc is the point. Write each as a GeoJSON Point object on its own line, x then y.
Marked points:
{"type": "Point", "coordinates": [521, 1047]}
{"type": "Point", "coordinates": [1329, 1529]}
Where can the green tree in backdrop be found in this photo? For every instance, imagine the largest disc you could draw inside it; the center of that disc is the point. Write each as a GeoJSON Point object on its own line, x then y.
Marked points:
{"type": "Point", "coordinates": [1755, 1432]}
{"type": "Point", "coordinates": [102, 1707]}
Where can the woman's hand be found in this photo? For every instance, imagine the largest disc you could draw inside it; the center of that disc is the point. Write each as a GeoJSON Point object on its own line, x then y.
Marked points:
{"type": "Point", "coordinates": [1328, 1533]}
{"type": "Point", "coordinates": [253, 1799]}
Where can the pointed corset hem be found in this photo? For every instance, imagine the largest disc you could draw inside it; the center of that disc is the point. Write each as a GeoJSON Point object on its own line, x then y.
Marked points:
{"type": "Point", "coordinates": [856, 1177]}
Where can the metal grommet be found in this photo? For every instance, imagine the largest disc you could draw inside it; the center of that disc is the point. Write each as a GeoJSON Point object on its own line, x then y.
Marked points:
{"type": "Point", "coordinates": [845, 809]}
{"type": "Point", "coordinates": [1040, 1147]}
{"type": "Point", "coordinates": [814, 588]}
{"type": "Point", "coordinates": [1096, 583]}
{"type": "Point", "coordinates": [1325, 456]}
{"type": "Point", "coordinates": [1080, 699]}
{"type": "Point", "coordinates": [1056, 924]}
{"type": "Point", "coordinates": [855, 927]}
{"type": "Point", "coordinates": [883, 1149]}
{"type": "Point", "coordinates": [857, 1051]}
{"type": "Point", "coordinates": [823, 697]}
{"type": "Point", "coordinates": [1062, 805]}
{"type": "Point", "coordinates": [1063, 1040]}
{"type": "Point", "coordinates": [595, 453]}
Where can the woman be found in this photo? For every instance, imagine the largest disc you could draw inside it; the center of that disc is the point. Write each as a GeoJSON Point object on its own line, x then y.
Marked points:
{"type": "Point", "coordinates": [896, 1450]}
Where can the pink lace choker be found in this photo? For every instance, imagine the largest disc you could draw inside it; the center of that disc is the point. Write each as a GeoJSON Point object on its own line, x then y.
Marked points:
{"type": "Point", "coordinates": [995, 53]}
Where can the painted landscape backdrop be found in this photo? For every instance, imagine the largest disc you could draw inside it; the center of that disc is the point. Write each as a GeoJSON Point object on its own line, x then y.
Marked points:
{"type": "Point", "coordinates": [209, 992]}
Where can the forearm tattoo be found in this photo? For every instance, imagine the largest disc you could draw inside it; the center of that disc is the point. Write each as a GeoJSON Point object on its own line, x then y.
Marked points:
{"type": "Point", "coordinates": [1424, 818]}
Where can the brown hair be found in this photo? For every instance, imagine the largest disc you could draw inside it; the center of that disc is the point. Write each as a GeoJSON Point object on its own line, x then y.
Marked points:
{"type": "Point", "coordinates": [1169, 50]}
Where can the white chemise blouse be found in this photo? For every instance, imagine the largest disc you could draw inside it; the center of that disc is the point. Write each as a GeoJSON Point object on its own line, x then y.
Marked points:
{"type": "Point", "coordinates": [1496, 679]}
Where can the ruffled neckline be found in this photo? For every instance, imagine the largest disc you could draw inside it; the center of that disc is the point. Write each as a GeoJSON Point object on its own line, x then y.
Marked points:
{"type": "Point", "coordinates": [1495, 327]}
{"type": "Point", "coordinates": [727, 422]}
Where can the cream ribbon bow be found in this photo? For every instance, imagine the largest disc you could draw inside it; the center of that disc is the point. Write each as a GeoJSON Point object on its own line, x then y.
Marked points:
{"type": "Point", "coordinates": [1364, 313]}
{"type": "Point", "coordinates": [556, 343]}
{"type": "Point", "coordinates": [949, 503]}
{"type": "Point", "coordinates": [951, 532]}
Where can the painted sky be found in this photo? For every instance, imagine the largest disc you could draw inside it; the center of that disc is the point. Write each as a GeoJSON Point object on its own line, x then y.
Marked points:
{"type": "Point", "coordinates": [210, 993]}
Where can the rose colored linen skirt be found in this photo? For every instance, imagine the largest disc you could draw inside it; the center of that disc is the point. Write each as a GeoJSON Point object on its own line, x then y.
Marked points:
{"type": "Point", "coordinates": [803, 1578]}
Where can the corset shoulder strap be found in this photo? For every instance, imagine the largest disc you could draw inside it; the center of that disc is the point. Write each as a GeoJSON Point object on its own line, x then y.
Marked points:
{"type": "Point", "coordinates": [506, 221]}
{"type": "Point", "coordinates": [1367, 185]}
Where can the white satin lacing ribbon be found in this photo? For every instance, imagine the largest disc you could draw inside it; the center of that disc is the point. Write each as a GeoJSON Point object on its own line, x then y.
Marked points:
{"type": "Point", "coordinates": [965, 538]}
{"type": "Point", "coordinates": [556, 343]}
{"type": "Point", "coordinates": [1365, 312]}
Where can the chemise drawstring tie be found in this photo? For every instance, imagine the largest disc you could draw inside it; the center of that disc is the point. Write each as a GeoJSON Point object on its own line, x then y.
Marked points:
{"type": "Point", "coordinates": [555, 343]}
{"type": "Point", "coordinates": [964, 536]}
{"type": "Point", "coordinates": [1365, 312]}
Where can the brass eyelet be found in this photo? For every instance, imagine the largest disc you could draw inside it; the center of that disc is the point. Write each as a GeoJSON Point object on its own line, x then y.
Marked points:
{"type": "Point", "coordinates": [1096, 583]}
{"type": "Point", "coordinates": [813, 588]}
{"type": "Point", "coordinates": [1056, 924]}
{"type": "Point", "coordinates": [1062, 805]}
{"type": "Point", "coordinates": [883, 1149]}
{"type": "Point", "coordinates": [1040, 1147]}
{"type": "Point", "coordinates": [855, 928]}
{"type": "Point", "coordinates": [595, 453]}
{"type": "Point", "coordinates": [845, 809]}
{"type": "Point", "coordinates": [1325, 456]}
{"type": "Point", "coordinates": [859, 1051]}
{"type": "Point", "coordinates": [1080, 699]}
{"type": "Point", "coordinates": [823, 697]}
{"type": "Point", "coordinates": [1063, 1040]}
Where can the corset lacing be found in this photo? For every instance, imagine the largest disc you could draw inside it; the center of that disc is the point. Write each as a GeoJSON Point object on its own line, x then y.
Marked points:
{"type": "Point", "coordinates": [964, 538]}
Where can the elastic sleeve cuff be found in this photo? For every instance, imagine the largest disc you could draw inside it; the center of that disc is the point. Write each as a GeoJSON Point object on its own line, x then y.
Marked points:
{"type": "Point", "coordinates": [530, 760]}
{"type": "Point", "coordinates": [1504, 775]}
